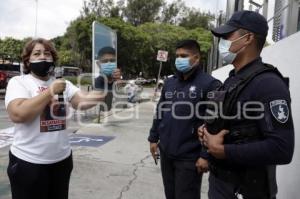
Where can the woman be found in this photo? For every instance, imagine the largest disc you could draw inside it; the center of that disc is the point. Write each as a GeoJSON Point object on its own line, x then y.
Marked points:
{"type": "Point", "coordinates": [40, 158]}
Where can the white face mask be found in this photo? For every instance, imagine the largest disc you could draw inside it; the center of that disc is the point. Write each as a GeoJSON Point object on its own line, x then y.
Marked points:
{"type": "Point", "coordinates": [226, 54]}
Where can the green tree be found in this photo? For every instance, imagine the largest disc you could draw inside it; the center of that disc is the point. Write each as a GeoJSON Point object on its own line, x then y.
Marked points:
{"type": "Point", "coordinates": [12, 47]}
{"type": "Point", "coordinates": [102, 8]}
{"type": "Point", "coordinates": [68, 57]}
{"type": "Point", "coordinates": [78, 39]}
{"type": "Point", "coordinates": [137, 46]}
{"type": "Point", "coordinates": [173, 12]}
{"type": "Point", "coordinates": [129, 37]}
{"type": "Point", "coordinates": [143, 27]}
{"type": "Point", "coordinates": [194, 18]}
{"type": "Point", "coordinates": [165, 37]}
{"type": "Point", "coordinates": [58, 41]}
{"type": "Point", "coordinates": [138, 12]}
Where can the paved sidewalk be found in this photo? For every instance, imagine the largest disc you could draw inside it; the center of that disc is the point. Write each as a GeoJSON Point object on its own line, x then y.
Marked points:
{"type": "Point", "coordinates": [120, 169]}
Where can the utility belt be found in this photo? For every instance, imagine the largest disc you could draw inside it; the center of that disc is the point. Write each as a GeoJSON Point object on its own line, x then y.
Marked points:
{"type": "Point", "coordinates": [226, 175]}
{"type": "Point", "coordinates": [249, 182]}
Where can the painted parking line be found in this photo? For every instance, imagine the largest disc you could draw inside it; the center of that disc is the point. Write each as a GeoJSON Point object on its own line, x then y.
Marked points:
{"type": "Point", "coordinates": [89, 140]}
{"type": "Point", "coordinates": [6, 138]}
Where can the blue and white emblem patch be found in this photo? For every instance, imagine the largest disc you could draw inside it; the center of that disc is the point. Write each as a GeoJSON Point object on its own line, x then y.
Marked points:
{"type": "Point", "coordinates": [280, 110]}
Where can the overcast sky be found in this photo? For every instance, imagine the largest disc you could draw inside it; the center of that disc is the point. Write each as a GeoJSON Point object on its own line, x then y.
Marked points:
{"type": "Point", "coordinates": [17, 17]}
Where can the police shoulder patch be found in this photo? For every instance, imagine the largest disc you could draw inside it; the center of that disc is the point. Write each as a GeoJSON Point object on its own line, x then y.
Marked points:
{"type": "Point", "coordinates": [280, 110]}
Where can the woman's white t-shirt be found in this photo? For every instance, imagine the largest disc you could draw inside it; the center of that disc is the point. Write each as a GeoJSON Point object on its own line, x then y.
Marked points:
{"type": "Point", "coordinates": [43, 140]}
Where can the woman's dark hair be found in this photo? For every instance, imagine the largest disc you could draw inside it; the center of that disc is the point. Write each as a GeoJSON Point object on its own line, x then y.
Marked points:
{"type": "Point", "coordinates": [29, 48]}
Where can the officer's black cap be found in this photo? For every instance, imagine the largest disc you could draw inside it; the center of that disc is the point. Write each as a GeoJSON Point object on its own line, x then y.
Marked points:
{"type": "Point", "coordinates": [248, 20]}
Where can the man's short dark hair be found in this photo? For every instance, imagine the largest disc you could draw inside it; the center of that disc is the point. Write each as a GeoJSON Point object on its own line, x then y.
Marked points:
{"type": "Point", "coordinates": [189, 44]}
{"type": "Point", "coordinates": [106, 50]}
{"type": "Point", "coordinates": [260, 39]}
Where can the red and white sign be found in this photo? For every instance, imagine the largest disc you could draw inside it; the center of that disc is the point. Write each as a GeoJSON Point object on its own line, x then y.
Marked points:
{"type": "Point", "coordinates": [162, 56]}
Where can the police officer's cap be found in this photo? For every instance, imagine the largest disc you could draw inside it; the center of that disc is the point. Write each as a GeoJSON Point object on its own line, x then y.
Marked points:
{"type": "Point", "coordinates": [248, 20]}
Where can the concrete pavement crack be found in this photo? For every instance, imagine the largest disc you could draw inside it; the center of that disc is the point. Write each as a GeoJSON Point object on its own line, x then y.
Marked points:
{"type": "Point", "coordinates": [126, 188]}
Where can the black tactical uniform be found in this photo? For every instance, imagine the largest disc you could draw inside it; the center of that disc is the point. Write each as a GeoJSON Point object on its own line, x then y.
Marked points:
{"type": "Point", "coordinates": [261, 132]}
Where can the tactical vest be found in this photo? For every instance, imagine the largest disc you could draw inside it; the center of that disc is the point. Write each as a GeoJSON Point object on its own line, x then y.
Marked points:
{"type": "Point", "coordinates": [251, 181]}
{"type": "Point", "coordinates": [226, 100]}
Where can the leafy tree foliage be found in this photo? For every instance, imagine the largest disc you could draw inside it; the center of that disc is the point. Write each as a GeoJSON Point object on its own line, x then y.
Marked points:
{"type": "Point", "coordinates": [143, 27]}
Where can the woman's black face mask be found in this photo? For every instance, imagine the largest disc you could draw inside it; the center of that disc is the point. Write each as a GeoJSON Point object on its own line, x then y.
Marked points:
{"type": "Point", "coordinates": [41, 68]}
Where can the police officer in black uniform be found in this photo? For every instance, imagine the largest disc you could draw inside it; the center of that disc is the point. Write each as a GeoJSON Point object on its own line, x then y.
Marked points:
{"type": "Point", "coordinates": [176, 123]}
{"type": "Point", "coordinates": [251, 130]}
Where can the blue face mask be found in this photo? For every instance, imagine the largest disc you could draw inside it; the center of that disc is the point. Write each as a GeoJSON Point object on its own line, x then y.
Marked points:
{"type": "Point", "coordinates": [108, 68]}
{"type": "Point", "coordinates": [226, 54]}
{"type": "Point", "coordinates": [183, 64]}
